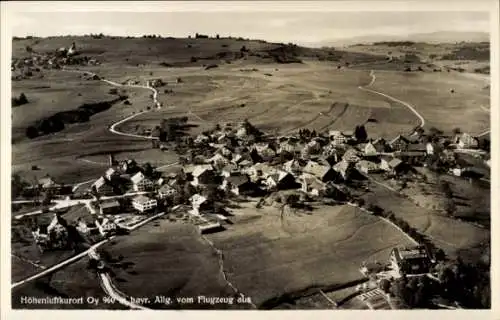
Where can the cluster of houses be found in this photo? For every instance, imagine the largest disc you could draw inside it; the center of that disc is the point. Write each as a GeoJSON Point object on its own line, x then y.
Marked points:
{"type": "Point", "coordinates": [26, 67]}
{"type": "Point", "coordinates": [237, 160]}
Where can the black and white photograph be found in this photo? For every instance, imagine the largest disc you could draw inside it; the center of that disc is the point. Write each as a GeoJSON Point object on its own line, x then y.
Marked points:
{"type": "Point", "coordinates": [255, 157]}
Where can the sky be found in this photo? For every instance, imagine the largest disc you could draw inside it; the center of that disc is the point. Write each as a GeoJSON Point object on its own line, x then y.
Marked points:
{"type": "Point", "coordinates": [299, 27]}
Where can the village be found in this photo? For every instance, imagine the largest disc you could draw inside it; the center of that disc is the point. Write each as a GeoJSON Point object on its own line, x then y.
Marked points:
{"type": "Point", "coordinates": [237, 162]}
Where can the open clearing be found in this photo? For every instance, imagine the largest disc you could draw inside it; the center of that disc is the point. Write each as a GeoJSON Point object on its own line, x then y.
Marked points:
{"type": "Point", "coordinates": [263, 256]}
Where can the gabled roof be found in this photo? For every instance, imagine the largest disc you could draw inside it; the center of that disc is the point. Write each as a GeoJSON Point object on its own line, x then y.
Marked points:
{"type": "Point", "coordinates": [341, 166]}
{"type": "Point", "coordinates": [110, 171]}
{"type": "Point", "coordinates": [399, 138]}
{"type": "Point", "coordinates": [200, 169]}
{"type": "Point", "coordinates": [100, 182]}
{"type": "Point", "coordinates": [141, 199]}
{"type": "Point", "coordinates": [237, 180]}
{"type": "Point", "coordinates": [316, 169]}
{"type": "Point", "coordinates": [312, 182]}
{"type": "Point", "coordinates": [367, 164]}
{"type": "Point", "coordinates": [109, 204]}
{"type": "Point", "coordinates": [395, 162]}
{"type": "Point", "coordinates": [166, 188]}
{"type": "Point", "coordinates": [417, 147]}
{"type": "Point", "coordinates": [138, 177]}
{"type": "Point", "coordinates": [46, 181]}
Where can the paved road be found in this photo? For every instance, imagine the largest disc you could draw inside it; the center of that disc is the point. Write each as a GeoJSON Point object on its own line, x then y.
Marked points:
{"type": "Point", "coordinates": [59, 265]}
{"type": "Point", "coordinates": [406, 104]}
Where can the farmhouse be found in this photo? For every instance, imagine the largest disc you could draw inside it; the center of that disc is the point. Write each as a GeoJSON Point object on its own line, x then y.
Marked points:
{"type": "Point", "coordinates": [109, 207]}
{"type": "Point", "coordinates": [143, 204]}
{"type": "Point", "coordinates": [259, 171]}
{"type": "Point", "coordinates": [218, 160]}
{"type": "Point", "coordinates": [312, 185]}
{"type": "Point", "coordinates": [166, 192]}
{"type": "Point", "coordinates": [52, 236]}
{"type": "Point", "coordinates": [86, 226]}
{"type": "Point", "coordinates": [351, 156]}
{"type": "Point", "coordinates": [337, 137]}
{"type": "Point", "coordinates": [293, 166]}
{"type": "Point", "coordinates": [199, 203]}
{"type": "Point", "coordinates": [320, 171]}
{"type": "Point", "coordinates": [344, 169]}
{"type": "Point", "coordinates": [229, 169]}
{"type": "Point", "coordinates": [280, 180]}
{"type": "Point", "coordinates": [393, 165]}
{"type": "Point", "coordinates": [141, 182]}
{"type": "Point", "coordinates": [203, 174]}
{"type": "Point", "coordinates": [367, 167]}
{"type": "Point", "coordinates": [238, 184]}
{"type": "Point", "coordinates": [111, 174]}
{"type": "Point", "coordinates": [410, 261]}
{"type": "Point", "coordinates": [47, 183]}
{"type": "Point", "coordinates": [399, 143]}
{"type": "Point", "coordinates": [466, 141]}
{"type": "Point", "coordinates": [264, 150]}
{"type": "Point", "coordinates": [102, 186]}
{"type": "Point", "coordinates": [105, 226]}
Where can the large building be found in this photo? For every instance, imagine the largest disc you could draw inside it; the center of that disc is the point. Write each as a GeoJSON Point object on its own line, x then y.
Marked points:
{"type": "Point", "coordinates": [410, 261]}
{"type": "Point", "coordinates": [143, 204]}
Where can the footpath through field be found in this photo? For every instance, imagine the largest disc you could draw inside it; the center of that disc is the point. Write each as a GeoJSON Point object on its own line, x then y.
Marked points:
{"type": "Point", "coordinates": [406, 104]}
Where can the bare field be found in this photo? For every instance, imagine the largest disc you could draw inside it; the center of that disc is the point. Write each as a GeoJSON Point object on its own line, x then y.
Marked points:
{"type": "Point", "coordinates": [263, 256]}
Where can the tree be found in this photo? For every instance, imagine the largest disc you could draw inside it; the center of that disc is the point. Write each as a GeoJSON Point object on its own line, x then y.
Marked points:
{"type": "Point", "coordinates": [457, 131]}
{"type": "Point", "coordinates": [217, 36]}
{"type": "Point", "coordinates": [29, 49]}
{"type": "Point", "coordinates": [385, 285]}
{"type": "Point", "coordinates": [360, 133]}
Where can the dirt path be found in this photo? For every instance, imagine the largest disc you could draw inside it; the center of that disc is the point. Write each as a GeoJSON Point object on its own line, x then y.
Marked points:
{"type": "Point", "coordinates": [406, 104]}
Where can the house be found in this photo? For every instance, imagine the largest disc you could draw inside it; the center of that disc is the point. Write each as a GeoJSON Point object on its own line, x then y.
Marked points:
{"type": "Point", "coordinates": [199, 203]}
{"type": "Point", "coordinates": [225, 139]}
{"type": "Point", "coordinates": [106, 226]}
{"type": "Point", "coordinates": [109, 207]}
{"type": "Point", "coordinates": [225, 151]}
{"type": "Point", "coordinates": [264, 150]}
{"type": "Point", "coordinates": [203, 174]}
{"type": "Point", "coordinates": [393, 165]}
{"type": "Point", "coordinates": [280, 180]}
{"type": "Point", "coordinates": [331, 150]}
{"type": "Point", "coordinates": [410, 261]}
{"type": "Point", "coordinates": [466, 141]}
{"type": "Point", "coordinates": [129, 166]}
{"type": "Point", "coordinates": [141, 182]}
{"type": "Point", "coordinates": [53, 235]}
{"type": "Point", "coordinates": [218, 160]}
{"type": "Point", "coordinates": [201, 139]}
{"type": "Point", "coordinates": [337, 137]}
{"type": "Point", "coordinates": [238, 184]}
{"type": "Point", "coordinates": [351, 155]}
{"type": "Point", "coordinates": [321, 171]}
{"type": "Point", "coordinates": [111, 174]}
{"type": "Point", "coordinates": [414, 153]}
{"type": "Point", "coordinates": [47, 183]}
{"type": "Point", "coordinates": [229, 169]}
{"type": "Point", "coordinates": [399, 143]}
{"type": "Point", "coordinates": [312, 185]}
{"type": "Point", "coordinates": [167, 192]}
{"type": "Point", "coordinates": [259, 171]}
{"type": "Point", "coordinates": [143, 204]}
{"type": "Point", "coordinates": [240, 157]}
{"type": "Point", "coordinates": [293, 166]}
{"type": "Point", "coordinates": [87, 226]}
{"type": "Point", "coordinates": [344, 169]}
{"type": "Point", "coordinates": [313, 147]}
{"type": "Point", "coordinates": [367, 167]}
{"type": "Point", "coordinates": [102, 186]}
{"type": "Point", "coordinates": [376, 147]}
{"type": "Point", "coordinates": [289, 146]}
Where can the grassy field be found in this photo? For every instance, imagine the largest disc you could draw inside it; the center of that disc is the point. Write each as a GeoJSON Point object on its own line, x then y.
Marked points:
{"type": "Point", "coordinates": [263, 256]}
{"type": "Point", "coordinates": [430, 94]}
{"type": "Point", "coordinates": [452, 235]}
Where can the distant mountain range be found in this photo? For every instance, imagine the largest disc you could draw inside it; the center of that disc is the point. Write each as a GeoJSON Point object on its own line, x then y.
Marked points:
{"type": "Point", "coordinates": [433, 37]}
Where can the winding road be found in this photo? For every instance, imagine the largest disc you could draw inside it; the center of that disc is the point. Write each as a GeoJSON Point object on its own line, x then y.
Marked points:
{"type": "Point", "coordinates": [406, 104]}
